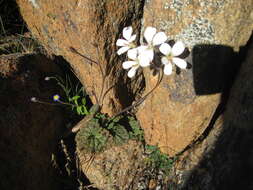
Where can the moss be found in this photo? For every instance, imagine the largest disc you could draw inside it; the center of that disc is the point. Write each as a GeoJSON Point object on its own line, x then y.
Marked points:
{"type": "Point", "coordinates": [92, 138]}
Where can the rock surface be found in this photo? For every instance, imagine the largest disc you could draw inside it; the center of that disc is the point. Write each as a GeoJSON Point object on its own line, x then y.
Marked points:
{"type": "Point", "coordinates": [115, 168]}
{"type": "Point", "coordinates": [28, 131]}
{"type": "Point", "coordinates": [92, 28]}
{"type": "Point", "coordinates": [224, 159]}
{"type": "Point", "coordinates": [224, 22]}
{"type": "Point", "coordinates": [181, 108]}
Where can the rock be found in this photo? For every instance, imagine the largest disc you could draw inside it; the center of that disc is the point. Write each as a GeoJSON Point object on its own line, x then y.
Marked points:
{"type": "Point", "coordinates": [117, 167]}
{"type": "Point", "coordinates": [181, 108]}
{"type": "Point", "coordinates": [28, 131]}
{"type": "Point", "coordinates": [92, 28]}
{"type": "Point", "coordinates": [225, 22]}
{"type": "Point", "coordinates": [189, 161]}
{"type": "Point", "coordinates": [224, 159]}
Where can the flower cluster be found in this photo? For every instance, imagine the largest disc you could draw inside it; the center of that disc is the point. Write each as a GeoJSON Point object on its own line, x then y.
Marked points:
{"type": "Point", "coordinates": [143, 55]}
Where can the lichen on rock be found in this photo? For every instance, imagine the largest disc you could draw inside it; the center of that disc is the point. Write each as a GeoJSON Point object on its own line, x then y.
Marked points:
{"type": "Point", "coordinates": [179, 111]}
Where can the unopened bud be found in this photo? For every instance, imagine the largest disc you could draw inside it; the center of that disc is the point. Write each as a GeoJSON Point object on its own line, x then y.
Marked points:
{"type": "Point", "coordinates": [33, 99]}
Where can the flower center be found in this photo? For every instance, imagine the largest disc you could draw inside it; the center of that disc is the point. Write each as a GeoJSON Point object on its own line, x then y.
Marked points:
{"type": "Point", "coordinates": [170, 56]}
{"type": "Point", "coordinates": [137, 63]}
{"type": "Point", "coordinates": [132, 45]}
{"type": "Point", "coordinates": [150, 46]}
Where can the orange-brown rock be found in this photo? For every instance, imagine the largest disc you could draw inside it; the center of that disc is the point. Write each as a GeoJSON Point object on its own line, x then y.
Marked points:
{"type": "Point", "coordinates": [225, 155]}
{"type": "Point", "coordinates": [92, 28]}
{"type": "Point", "coordinates": [181, 108]}
{"type": "Point", "coordinates": [115, 168]}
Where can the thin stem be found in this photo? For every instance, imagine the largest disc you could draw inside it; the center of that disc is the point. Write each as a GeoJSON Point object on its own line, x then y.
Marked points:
{"type": "Point", "coordinates": [54, 104]}
{"type": "Point", "coordinates": [100, 100]}
{"type": "Point", "coordinates": [160, 77]}
{"type": "Point", "coordinates": [108, 90]}
{"type": "Point", "coordinates": [65, 103]}
{"type": "Point", "coordinates": [100, 68]}
{"type": "Point", "coordinates": [47, 103]}
{"type": "Point", "coordinates": [97, 101]}
{"type": "Point", "coordinates": [76, 52]}
{"type": "Point", "coordinates": [102, 90]}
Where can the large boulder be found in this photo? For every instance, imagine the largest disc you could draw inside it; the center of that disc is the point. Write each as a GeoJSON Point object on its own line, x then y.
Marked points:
{"type": "Point", "coordinates": [183, 105]}
{"type": "Point", "coordinates": [91, 28]}
{"type": "Point", "coordinates": [223, 160]}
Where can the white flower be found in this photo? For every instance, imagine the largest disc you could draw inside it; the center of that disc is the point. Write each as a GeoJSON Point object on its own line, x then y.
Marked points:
{"type": "Point", "coordinates": [134, 62]}
{"type": "Point", "coordinates": [153, 39]}
{"type": "Point", "coordinates": [171, 56]}
{"type": "Point", "coordinates": [127, 42]}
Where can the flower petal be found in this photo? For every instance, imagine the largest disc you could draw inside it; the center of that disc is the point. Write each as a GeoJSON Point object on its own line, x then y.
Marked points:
{"type": "Point", "coordinates": [144, 60]}
{"type": "Point", "coordinates": [122, 42]}
{"type": "Point", "coordinates": [149, 53]}
{"type": "Point", "coordinates": [132, 54]}
{"type": "Point", "coordinates": [133, 37]}
{"type": "Point", "coordinates": [165, 49]}
{"type": "Point", "coordinates": [165, 60]}
{"type": "Point", "coordinates": [149, 34]}
{"type": "Point", "coordinates": [132, 72]}
{"type": "Point", "coordinates": [128, 64]}
{"type": "Point", "coordinates": [122, 50]}
{"type": "Point", "coordinates": [127, 32]}
{"type": "Point", "coordinates": [167, 69]}
{"type": "Point", "coordinates": [159, 38]}
{"type": "Point", "coordinates": [178, 48]}
{"type": "Point", "coordinates": [141, 49]}
{"type": "Point", "coordinates": [179, 62]}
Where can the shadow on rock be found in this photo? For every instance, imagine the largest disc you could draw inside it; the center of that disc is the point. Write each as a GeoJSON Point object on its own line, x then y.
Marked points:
{"type": "Point", "coordinates": [224, 157]}
{"type": "Point", "coordinates": [213, 68]}
{"type": "Point", "coordinates": [28, 131]}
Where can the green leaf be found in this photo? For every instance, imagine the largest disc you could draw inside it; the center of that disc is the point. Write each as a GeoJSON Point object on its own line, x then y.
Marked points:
{"type": "Point", "coordinates": [121, 134]}
{"type": "Point", "coordinates": [79, 110]}
{"type": "Point", "coordinates": [116, 119]}
{"type": "Point", "coordinates": [111, 125]}
{"type": "Point", "coordinates": [74, 98]}
{"type": "Point", "coordinates": [84, 110]}
{"type": "Point", "coordinates": [83, 101]}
